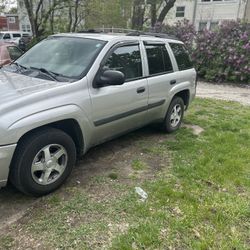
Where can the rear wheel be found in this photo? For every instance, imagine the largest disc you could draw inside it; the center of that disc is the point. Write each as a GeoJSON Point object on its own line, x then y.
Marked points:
{"type": "Point", "coordinates": [43, 161]}
{"type": "Point", "coordinates": [174, 115]}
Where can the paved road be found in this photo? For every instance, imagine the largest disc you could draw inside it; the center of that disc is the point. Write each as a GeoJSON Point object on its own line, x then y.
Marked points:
{"type": "Point", "coordinates": [14, 204]}
{"type": "Point", "coordinates": [224, 92]}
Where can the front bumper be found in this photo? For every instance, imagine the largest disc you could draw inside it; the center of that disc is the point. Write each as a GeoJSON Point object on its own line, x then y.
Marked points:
{"type": "Point", "coordinates": [6, 154]}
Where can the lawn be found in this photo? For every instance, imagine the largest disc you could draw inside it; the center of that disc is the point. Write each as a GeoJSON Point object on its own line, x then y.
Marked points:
{"type": "Point", "coordinates": [198, 190]}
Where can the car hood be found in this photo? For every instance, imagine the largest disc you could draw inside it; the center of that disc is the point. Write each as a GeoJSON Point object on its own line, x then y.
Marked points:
{"type": "Point", "coordinates": [14, 86]}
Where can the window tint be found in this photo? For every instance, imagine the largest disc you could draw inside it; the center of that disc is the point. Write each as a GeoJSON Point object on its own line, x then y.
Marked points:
{"type": "Point", "coordinates": [16, 35]}
{"type": "Point", "coordinates": [6, 36]}
{"type": "Point", "coordinates": [14, 52]}
{"type": "Point", "coordinates": [126, 59]}
{"type": "Point", "coordinates": [181, 56]}
{"type": "Point", "coordinates": [158, 59]}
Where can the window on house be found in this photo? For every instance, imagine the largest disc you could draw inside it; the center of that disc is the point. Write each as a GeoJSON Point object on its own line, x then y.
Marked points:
{"type": "Point", "coordinates": [180, 11]}
{"type": "Point", "coordinates": [28, 28]}
{"type": "Point", "coordinates": [202, 26]}
{"type": "Point", "coordinates": [23, 27]}
{"type": "Point", "coordinates": [158, 59]}
{"type": "Point", "coordinates": [12, 19]}
{"type": "Point", "coordinates": [213, 25]}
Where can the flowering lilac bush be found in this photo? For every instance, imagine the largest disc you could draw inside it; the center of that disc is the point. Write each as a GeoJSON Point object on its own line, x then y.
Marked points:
{"type": "Point", "coordinates": [220, 55]}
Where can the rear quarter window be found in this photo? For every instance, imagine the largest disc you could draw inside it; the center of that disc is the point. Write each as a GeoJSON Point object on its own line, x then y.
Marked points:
{"type": "Point", "coordinates": [181, 55]}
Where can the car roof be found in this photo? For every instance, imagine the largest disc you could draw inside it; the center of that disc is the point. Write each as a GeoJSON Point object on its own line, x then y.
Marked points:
{"type": "Point", "coordinates": [108, 37]}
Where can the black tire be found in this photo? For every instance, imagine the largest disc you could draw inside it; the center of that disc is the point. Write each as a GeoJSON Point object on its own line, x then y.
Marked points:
{"type": "Point", "coordinates": [21, 175]}
{"type": "Point", "coordinates": [168, 125]}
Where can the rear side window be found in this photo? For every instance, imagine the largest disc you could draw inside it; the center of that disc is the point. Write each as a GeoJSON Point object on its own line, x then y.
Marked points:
{"type": "Point", "coordinates": [16, 35]}
{"type": "Point", "coordinates": [181, 55]}
{"type": "Point", "coordinates": [158, 59]}
{"type": "Point", "coordinates": [126, 59]}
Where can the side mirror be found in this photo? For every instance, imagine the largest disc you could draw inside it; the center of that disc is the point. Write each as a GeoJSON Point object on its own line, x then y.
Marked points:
{"type": "Point", "coordinates": [109, 77]}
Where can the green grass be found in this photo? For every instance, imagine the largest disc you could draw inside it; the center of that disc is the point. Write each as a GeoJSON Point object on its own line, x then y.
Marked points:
{"type": "Point", "coordinates": [138, 165]}
{"type": "Point", "coordinates": [201, 202]}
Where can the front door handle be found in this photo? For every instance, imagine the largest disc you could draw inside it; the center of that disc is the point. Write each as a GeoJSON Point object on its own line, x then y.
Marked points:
{"type": "Point", "coordinates": [172, 82]}
{"type": "Point", "coordinates": [140, 90]}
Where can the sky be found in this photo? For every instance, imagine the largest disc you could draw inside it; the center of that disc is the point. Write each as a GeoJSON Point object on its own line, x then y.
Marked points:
{"type": "Point", "coordinates": [11, 3]}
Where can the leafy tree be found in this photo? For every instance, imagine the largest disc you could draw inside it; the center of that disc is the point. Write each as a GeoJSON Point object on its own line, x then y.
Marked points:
{"type": "Point", "coordinates": [153, 10]}
{"type": "Point", "coordinates": [108, 13]}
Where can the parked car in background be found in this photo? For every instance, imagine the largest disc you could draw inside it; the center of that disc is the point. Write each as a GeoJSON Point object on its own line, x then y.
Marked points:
{"type": "Point", "coordinates": [8, 53]}
{"type": "Point", "coordinates": [21, 39]}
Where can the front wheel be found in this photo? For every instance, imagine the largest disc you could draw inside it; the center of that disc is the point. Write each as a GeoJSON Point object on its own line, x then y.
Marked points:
{"type": "Point", "coordinates": [43, 161]}
{"type": "Point", "coordinates": [174, 115]}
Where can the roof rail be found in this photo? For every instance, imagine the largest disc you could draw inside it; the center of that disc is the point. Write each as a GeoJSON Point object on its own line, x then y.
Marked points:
{"type": "Point", "coordinates": [89, 31]}
{"type": "Point", "coordinates": [159, 35]}
{"type": "Point", "coordinates": [129, 32]}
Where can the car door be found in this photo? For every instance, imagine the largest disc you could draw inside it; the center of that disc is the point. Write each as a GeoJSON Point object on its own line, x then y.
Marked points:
{"type": "Point", "coordinates": [118, 109]}
{"type": "Point", "coordinates": [161, 78]}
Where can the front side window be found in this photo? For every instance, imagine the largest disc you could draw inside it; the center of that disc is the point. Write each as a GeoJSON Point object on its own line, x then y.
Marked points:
{"type": "Point", "coordinates": [6, 36]}
{"type": "Point", "coordinates": [126, 59]}
{"type": "Point", "coordinates": [158, 59]}
{"type": "Point", "coordinates": [181, 56]}
{"type": "Point", "coordinates": [14, 52]}
{"type": "Point", "coordinates": [67, 56]}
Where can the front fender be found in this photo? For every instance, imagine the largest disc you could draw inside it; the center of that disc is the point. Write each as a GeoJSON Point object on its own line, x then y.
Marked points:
{"type": "Point", "coordinates": [20, 127]}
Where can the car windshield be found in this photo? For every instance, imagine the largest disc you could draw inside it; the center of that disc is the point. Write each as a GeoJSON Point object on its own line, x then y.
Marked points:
{"type": "Point", "coordinates": [1, 35]}
{"type": "Point", "coordinates": [66, 56]}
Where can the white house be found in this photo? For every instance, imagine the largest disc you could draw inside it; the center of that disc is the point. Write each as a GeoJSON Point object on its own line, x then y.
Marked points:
{"type": "Point", "coordinates": [208, 13]}
{"type": "Point", "coordinates": [24, 23]}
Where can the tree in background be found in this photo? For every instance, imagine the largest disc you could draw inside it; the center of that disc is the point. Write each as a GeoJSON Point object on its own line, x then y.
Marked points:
{"type": "Point", "coordinates": [39, 13]}
{"type": "Point", "coordinates": [108, 13]}
{"type": "Point", "coordinates": [5, 4]}
{"type": "Point", "coordinates": [153, 10]}
{"type": "Point", "coordinates": [49, 16]}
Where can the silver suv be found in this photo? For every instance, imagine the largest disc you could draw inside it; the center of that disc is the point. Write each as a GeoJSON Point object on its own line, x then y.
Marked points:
{"type": "Point", "coordinates": [73, 91]}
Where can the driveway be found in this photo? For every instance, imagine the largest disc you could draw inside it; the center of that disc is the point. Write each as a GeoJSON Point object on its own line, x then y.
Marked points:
{"type": "Point", "coordinates": [224, 92]}
{"type": "Point", "coordinates": [13, 205]}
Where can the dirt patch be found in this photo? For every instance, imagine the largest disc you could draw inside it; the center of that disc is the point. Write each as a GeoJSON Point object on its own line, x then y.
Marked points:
{"type": "Point", "coordinates": [196, 130]}
{"type": "Point", "coordinates": [116, 157]}
{"type": "Point", "coordinates": [224, 92]}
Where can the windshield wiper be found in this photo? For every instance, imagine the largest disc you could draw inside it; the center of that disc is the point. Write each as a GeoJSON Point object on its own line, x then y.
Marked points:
{"type": "Point", "coordinates": [51, 74]}
{"type": "Point", "coordinates": [19, 65]}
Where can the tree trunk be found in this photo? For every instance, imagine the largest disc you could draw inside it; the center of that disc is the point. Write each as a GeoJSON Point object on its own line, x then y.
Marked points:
{"type": "Point", "coordinates": [70, 19]}
{"type": "Point", "coordinates": [168, 5]}
{"type": "Point", "coordinates": [153, 14]}
{"type": "Point", "coordinates": [76, 16]}
{"type": "Point", "coordinates": [29, 7]}
{"type": "Point", "coordinates": [138, 14]}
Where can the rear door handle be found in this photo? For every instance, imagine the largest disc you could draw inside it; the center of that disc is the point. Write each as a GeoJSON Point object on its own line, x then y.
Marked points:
{"type": "Point", "coordinates": [172, 82]}
{"type": "Point", "coordinates": [140, 90]}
